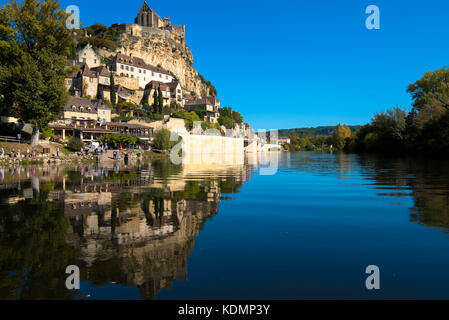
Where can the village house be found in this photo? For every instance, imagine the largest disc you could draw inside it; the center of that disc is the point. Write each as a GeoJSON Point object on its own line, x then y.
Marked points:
{"type": "Point", "coordinates": [171, 92]}
{"type": "Point", "coordinates": [134, 67]}
{"type": "Point", "coordinates": [83, 109]}
{"type": "Point", "coordinates": [93, 82]}
{"type": "Point", "coordinates": [90, 130]}
{"type": "Point", "coordinates": [89, 56]}
{"type": "Point", "coordinates": [209, 104]}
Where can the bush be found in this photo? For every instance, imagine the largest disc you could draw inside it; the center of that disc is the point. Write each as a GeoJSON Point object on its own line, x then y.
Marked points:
{"type": "Point", "coordinates": [190, 117]}
{"type": "Point", "coordinates": [120, 139]}
{"type": "Point", "coordinates": [75, 144]}
{"type": "Point", "coordinates": [46, 132]}
{"type": "Point", "coordinates": [162, 139]}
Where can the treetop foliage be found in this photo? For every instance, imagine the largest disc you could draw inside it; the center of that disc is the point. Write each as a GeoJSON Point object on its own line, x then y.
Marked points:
{"type": "Point", "coordinates": [34, 43]}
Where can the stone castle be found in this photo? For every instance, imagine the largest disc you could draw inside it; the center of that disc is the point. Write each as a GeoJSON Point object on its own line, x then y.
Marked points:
{"type": "Point", "coordinates": [148, 23]}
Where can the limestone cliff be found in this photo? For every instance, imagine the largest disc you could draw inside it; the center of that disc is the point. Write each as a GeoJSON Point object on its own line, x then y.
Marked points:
{"type": "Point", "coordinates": [171, 55]}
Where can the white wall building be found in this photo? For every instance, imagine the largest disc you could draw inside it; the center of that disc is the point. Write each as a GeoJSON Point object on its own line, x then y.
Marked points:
{"type": "Point", "coordinates": [133, 67]}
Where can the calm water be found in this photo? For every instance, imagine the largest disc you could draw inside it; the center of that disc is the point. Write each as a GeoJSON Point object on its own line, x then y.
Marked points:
{"type": "Point", "coordinates": [159, 231]}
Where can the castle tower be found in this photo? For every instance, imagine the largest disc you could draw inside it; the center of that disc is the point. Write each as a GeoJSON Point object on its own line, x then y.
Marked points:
{"type": "Point", "coordinates": [146, 17]}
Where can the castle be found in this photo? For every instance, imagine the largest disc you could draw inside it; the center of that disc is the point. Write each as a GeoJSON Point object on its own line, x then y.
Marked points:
{"type": "Point", "coordinates": [148, 23]}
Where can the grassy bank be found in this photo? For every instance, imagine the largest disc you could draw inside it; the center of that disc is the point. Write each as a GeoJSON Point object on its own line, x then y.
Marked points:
{"type": "Point", "coordinates": [8, 146]}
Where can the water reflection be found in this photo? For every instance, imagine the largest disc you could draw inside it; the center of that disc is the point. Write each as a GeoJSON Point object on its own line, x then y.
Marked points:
{"type": "Point", "coordinates": [133, 226]}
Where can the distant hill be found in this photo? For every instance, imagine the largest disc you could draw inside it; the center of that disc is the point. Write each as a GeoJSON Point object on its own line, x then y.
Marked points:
{"type": "Point", "coordinates": [317, 131]}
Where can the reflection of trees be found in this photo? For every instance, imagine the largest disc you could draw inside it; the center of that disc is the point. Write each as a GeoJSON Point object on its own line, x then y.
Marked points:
{"type": "Point", "coordinates": [427, 178]}
{"type": "Point", "coordinates": [33, 249]}
{"type": "Point", "coordinates": [151, 230]}
{"type": "Point", "coordinates": [165, 169]}
{"type": "Point", "coordinates": [129, 229]}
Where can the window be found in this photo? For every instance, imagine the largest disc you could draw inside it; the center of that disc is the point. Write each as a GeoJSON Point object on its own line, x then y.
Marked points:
{"type": "Point", "coordinates": [140, 71]}
{"type": "Point", "coordinates": [144, 71]}
{"type": "Point", "coordinates": [106, 80]}
{"type": "Point", "coordinates": [104, 112]}
{"type": "Point", "coordinates": [132, 69]}
{"type": "Point", "coordinates": [127, 68]}
{"type": "Point", "coordinates": [84, 59]}
{"type": "Point", "coordinates": [121, 66]}
{"type": "Point", "coordinates": [91, 80]}
{"type": "Point", "coordinates": [166, 77]}
{"type": "Point", "coordinates": [95, 60]}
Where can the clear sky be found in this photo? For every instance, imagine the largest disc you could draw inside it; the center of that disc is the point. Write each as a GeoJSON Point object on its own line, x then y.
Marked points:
{"type": "Point", "coordinates": [297, 63]}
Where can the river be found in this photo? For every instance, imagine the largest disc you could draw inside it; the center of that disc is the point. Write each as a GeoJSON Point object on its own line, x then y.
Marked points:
{"type": "Point", "coordinates": [304, 227]}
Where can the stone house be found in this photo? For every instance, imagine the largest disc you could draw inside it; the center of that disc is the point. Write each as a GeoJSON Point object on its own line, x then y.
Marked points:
{"type": "Point", "coordinates": [87, 55]}
{"type": "Point", "coordinates": [84, 109]}
{"type": "Point", "coordinates": [209, 104]}
{"type": "Point", "coordinates": [171, 92]}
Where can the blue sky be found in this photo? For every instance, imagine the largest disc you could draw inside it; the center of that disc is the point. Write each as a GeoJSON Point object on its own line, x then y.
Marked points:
{"type": "Point", "coordinates": [296, 63]}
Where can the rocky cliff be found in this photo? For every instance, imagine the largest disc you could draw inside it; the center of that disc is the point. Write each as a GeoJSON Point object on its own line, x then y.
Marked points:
{"type": "Point", "coordinates": [173, 56]}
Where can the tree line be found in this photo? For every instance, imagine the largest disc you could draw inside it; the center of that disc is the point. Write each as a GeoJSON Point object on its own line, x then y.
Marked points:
{"type": "Point", "coordinates": [424, 129]}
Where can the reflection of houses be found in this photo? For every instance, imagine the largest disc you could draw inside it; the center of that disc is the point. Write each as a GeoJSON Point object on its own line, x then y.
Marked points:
{"type": "Point", "coordinates": [150, 231]}
{"type": "Point", "coordinates": [132, 227]}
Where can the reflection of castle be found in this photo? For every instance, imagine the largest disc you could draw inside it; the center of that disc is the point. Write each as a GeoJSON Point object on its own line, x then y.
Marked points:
{"type": "Point", "coordinates": [149, 228]}
{"type": "Point", "coordinates": [134, 227]}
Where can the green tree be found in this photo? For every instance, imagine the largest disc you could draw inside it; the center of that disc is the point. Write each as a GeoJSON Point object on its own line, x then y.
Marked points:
{"type": "Point", "coordinates": [119, 139]}
{"type": "Point", "coordinates": [431, 90]}
{"type": "Point", "coordinates": [34, 44]}
{"type": "Point", "coordinates": [112, 89]}
{"type": "Point", "coordinates": [156, 102]}
{"type": "Point", "coordinates": [162, 139]}
{"type": "Point", "coordinates": [341, 133]}
{"type": "Point", "coordinates": [160, 99]}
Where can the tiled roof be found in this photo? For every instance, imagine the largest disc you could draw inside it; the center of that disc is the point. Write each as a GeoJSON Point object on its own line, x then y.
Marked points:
{"type": "Point", "coordinates": [86, 72]}
{"type": "Point", "coordinates": [102, 71]}
{"type": "Point", "coordinates": [137, 62]}
{"type": "Point", "coordinates": [78, 103]}
{"type": "Point", "coordinates": [206, 100]}
{"type": "Point", "coordinates": [171, 86]}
